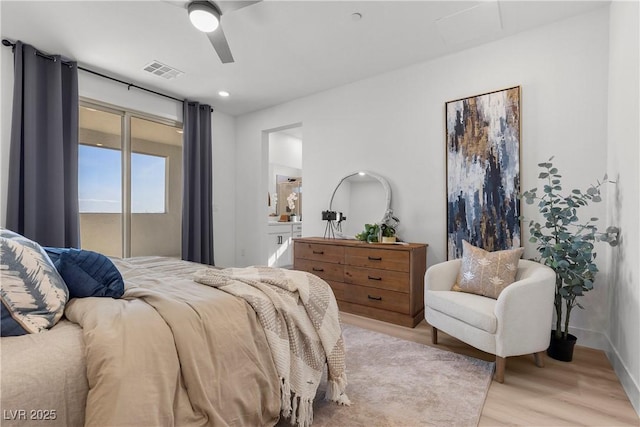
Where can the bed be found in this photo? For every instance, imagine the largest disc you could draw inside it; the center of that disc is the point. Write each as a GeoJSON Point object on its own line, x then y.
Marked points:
{"type": "Point", "coordinates": [170, 352]}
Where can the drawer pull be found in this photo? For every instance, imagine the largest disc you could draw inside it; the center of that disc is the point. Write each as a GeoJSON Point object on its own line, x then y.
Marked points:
{"type": "Point", "coordinates": [318, 252]}
{"type": "Point", "coordinates": [374, 278]}
{"type": "Point", "coordinates": [374, 298]}
{"type": "Point", "coordinates": [317, 269]}
{"type": "Point", "coordinates": [375, 258]}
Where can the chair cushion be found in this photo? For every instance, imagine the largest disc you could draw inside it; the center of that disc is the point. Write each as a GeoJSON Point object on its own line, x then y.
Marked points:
{"type": "Point", "coordinates": [33, 294]}
{"type": "Point", "coordinates": [486, 273]}
{"type": "Point", "coordinates": [474, 310]}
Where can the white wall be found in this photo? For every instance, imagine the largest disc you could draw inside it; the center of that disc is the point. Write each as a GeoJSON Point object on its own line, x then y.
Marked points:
{"type": "Point", "coordinates": [97, 88]}
{"type": "Point", "coordinates": [285, 150]}
{"type": "Point", "coordinates": [393, 124]}
{"type": "Point", "coordinates": [224, 189]}
{"type": "Point", "coordinates": [624, 202]}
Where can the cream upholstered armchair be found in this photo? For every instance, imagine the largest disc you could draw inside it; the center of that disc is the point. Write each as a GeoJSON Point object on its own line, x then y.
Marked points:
{"type": "Point", "coordinates": [518, 322]}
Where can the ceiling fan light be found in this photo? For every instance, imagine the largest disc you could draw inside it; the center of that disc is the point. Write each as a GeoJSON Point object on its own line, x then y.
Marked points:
{"type": "Point", "coordinates": [204, 16]}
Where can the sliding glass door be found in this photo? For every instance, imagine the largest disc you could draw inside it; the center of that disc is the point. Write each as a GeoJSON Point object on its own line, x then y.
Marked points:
{"type": "Point", "coordinates": [100, 180]}
{"type": "Point", "coordinates": [156, 188]}
{"type": "Point", "coordinates": [130, 182]}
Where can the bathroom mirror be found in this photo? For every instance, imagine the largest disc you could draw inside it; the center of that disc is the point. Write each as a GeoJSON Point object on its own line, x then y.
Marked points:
{"type": "Point", "coordinates": [363, 198]}
{"type": "Point", "coordinates": [286, 186]}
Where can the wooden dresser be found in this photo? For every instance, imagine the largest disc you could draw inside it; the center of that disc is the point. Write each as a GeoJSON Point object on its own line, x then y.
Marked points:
{"type": "Point", "coordinates": [384, 282]}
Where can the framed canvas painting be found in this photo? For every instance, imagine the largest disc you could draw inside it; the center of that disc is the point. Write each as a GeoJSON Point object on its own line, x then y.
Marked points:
{"type": "Point", "coordinates": [483, 171]}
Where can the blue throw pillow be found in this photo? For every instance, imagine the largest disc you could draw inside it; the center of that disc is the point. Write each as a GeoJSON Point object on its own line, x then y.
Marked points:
{"type": "Point", "coordinates": [32, 293]}
{"type": "Point", "coordinates": [10, 326]}
{"type": "Point", "coordinates": [54, 254]}
{"type": "Point", "coordinates": [89, 274]}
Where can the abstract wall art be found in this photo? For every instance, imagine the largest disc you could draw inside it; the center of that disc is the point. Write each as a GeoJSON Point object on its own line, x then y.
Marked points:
{"type": "Point", "coordinates": [483, 171]}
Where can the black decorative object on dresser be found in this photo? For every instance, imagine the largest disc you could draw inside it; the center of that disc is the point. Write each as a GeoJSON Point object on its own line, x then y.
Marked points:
{"type": "Point", "coordinates": [381, 281]}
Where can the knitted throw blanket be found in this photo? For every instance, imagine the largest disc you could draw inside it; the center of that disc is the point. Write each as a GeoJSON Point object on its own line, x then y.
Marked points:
{"type": "Point", "coordinates": [299, 314]}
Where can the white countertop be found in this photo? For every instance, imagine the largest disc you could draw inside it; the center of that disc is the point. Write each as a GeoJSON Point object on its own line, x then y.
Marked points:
{"type": "Point", "coordinates": [276, 222]}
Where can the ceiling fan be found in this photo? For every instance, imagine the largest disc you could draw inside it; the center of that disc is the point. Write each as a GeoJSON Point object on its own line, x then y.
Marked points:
{"type": "Point", "coordinates": [206, 15]}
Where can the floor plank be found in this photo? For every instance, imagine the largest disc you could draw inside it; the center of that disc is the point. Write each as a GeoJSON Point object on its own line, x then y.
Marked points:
{"type": "Point", "coordinates": [585, 391]}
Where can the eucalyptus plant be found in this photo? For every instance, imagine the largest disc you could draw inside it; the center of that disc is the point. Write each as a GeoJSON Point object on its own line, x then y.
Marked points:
{"type": "Point", "coordinates": [564, 242]}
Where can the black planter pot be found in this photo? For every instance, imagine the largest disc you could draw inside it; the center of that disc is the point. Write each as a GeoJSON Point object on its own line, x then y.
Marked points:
{"type": "Point", "coordinates": [561, 349]}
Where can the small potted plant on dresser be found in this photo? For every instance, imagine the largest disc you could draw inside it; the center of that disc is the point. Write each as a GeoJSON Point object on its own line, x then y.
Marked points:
{"type": "Point", "coordinates": [388, 233]}
{"type": "Point", "coordinates": [566, 244]}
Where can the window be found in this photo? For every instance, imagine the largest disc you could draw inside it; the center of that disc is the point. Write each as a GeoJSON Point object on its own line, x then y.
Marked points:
{"type": "Point", "coordinates": [99, 179]}
{"type": "Point", "coordinates": [148, 183]}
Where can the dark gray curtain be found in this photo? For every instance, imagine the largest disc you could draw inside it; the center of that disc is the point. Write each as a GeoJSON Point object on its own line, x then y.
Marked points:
{"type": "Point", "coordinates": [42, 201]}
{"type": "Point", "coordinates": [197, 197]}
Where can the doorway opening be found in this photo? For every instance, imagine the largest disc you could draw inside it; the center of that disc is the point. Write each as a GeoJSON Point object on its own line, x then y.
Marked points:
{"type": "Point", "coordinates": [285, 195]}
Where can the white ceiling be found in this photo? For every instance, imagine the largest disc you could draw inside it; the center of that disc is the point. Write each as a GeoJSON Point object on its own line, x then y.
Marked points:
{"type": "Point", "coordinates": [283, 49]}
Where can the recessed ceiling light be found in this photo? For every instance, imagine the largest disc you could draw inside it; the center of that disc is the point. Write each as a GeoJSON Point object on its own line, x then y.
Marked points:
{"type": "Point", "coordinates": [179, 130]}
{"type": "Point", "coordinates": [356, 16]}
{"type": "Point", "coordinates": [361, 173]}
{"type": "Point", "coordinates": [99, 145]}
{"type": "Point", "coordinates": [223, 93]}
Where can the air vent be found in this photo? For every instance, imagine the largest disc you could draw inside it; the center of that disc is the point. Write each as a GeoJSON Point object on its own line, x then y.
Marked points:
{"type": "Point", "coordinates": [162, 70]}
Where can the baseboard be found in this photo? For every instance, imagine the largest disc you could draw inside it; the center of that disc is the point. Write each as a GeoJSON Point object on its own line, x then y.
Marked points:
{"type": "Point", "coordinates": [600, 341]}
{"type": "Point", "coordinates": [629, 385]}
{"type": "Point", "coordinates": [591, 339]}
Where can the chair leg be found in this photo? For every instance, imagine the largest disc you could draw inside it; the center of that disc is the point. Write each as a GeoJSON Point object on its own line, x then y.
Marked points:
{"type": "Point", "coordinates": [501, 362]}
{"type": "Point", "coordinates": [434, 336]}
{"type": "Point", "coordinates": [539, 359]}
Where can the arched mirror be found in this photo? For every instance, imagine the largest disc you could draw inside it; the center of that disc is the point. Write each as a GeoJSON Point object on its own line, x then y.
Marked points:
{"type": "Point", "coordinates": [362, 198]}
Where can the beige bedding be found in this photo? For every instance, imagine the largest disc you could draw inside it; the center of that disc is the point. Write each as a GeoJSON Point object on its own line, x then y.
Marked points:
{"type": "Point", "coordinates": [171, 352]}
{"type": "Point", "coordinates": [43, 378]}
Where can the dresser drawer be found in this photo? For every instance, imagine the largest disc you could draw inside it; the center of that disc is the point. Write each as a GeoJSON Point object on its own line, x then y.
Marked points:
{"type": "Point", "coordinates": [376, 278]}
{"type": "Point", "coordinates": [325, 270]}
{"type": "Point", "coordinates": [379, 298]}
{"type": "Point", "coordinates": [377, 258]}
{"type": "Point", "coordinates": [316, 252]}
{"type": "Point", "coordinates": [339, 290]}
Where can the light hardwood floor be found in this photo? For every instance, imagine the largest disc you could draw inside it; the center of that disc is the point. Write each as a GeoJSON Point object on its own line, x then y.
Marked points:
{"type": "Point", "coordinates": [585, 391]}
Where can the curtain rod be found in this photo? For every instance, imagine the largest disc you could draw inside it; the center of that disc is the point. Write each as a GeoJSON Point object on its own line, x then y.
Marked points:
{"type": "Point", "coordinates": [12, 45]}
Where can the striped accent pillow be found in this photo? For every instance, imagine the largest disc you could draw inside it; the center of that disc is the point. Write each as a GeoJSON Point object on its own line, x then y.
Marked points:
{"type": "Point", "coordinates": [32, 293]}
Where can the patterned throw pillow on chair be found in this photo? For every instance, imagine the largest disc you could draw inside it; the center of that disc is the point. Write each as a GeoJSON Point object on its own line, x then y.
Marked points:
{"type": "Point", "coordinates": [486, 273]}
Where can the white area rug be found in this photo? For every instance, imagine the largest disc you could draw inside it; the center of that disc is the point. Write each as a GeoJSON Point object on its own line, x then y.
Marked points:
{"type": "Point", "coordinates": [393, 382]}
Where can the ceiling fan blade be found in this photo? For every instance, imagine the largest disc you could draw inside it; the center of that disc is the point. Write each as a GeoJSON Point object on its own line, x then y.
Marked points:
{"type": "Point", "coordinates": [182, 4]}
{"type": "Point", "coordinates": [219, 42]}
{"type": "Point", "coordinates": [228, 6]}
